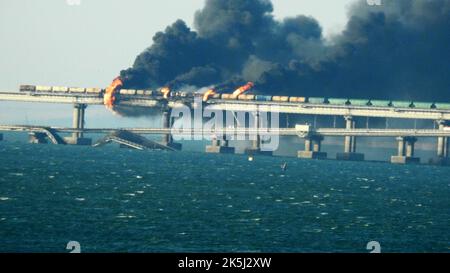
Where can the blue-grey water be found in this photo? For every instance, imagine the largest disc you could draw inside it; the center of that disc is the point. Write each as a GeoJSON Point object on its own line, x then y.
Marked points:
{"type": "Point", "coordinates": [117, 200]}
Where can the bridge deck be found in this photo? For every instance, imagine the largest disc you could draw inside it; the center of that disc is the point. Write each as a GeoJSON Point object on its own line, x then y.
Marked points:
{"type": "Point", "coordinates": [235, 105]}
{"type": "Point", "coordinates": [242, 131]}
{"type": "Point", "coordinates": [131, 140]}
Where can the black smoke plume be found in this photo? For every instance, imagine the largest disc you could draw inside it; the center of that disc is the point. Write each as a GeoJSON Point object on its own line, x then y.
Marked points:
{"type": "Point", "coordinates": [400, 50]}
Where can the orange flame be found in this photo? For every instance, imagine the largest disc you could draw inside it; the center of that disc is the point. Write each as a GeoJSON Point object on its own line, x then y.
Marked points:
{"type": "Point", "coordinates": [208, 94]}
{"type": "Point", "coordinates": [109, 98]}
{"type": "Point", "coordinates": [166, 92]}
{"type": "Point", "coordinates": [241, 90]}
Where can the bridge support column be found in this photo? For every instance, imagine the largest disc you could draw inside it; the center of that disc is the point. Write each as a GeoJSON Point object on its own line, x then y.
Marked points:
{"type": "Point", "coordinates": [78, 118]}
{"type": "Point", "coordinates": [442, 148]}
{"type": "Point", "coordinates": [167, 139]}
{"type": "Point", "coordinates": [220, 147]}
{"type": "Point", "coordinates": [350, 153]}
{"type": "Point", "coordinates": [313, 147]}
{"type": "Point", "coordinates": [256, 143]}
{"type": "Point", "coordinates": [405, 154]}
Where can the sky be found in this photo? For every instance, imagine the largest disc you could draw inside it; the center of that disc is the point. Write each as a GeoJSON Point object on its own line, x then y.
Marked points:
{"type": "Point", "coordinates": [87, 42]}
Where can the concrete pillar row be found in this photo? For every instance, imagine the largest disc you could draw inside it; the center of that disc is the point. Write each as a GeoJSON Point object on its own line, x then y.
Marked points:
{"type": "Point", "coordinates": [410, 144]}
{"type": "Point", "coordinates": [308, 144]}
{"type": "Point", "coordinates": [215, 142]}
{"type": "Point", "coordinates": [442, 149]}
{"type": "Point", "coordinates": [401, 151]}
{"type": "Point", "coordinates": [442, 142]}
{"type": "Point", "coordinates": [224, 142]}
{"type": "Point", "coordinates": [257, 142]}
{"type": "Point", "coordinates": [78, 121]}
{"type": "Point", "coordinates": [317, 144]}
{"type": "Point", "coordinates": [446, 147]}
{"type": "Point", "coordinates": [313, 148]}
{"type": "Point", "coordinates": [353, 149]}
{"type": "Point", "coordinates": [348, 141]}
{"type": "Point", "coordinates": [166, 138]}
{"type": "Point", "coordinates": [405, 151]}
{"type": "Point", "coordinates": [220, 145]}
{"type": "Point", "coordinates": [349, 153]}
{"type": "Point", "coordinates": [167, 123]}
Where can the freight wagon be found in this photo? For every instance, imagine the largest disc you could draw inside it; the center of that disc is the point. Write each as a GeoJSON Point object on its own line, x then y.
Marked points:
{"type": "Point", "coordinates": [248, 97]}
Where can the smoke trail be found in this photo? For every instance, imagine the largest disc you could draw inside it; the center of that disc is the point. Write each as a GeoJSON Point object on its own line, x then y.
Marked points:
{"type": "Point", "coordinates": [395, 51]}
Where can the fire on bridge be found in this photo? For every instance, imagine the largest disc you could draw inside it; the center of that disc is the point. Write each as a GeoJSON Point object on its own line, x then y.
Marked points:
{"type": "Point", "coordinates": [242, 100]}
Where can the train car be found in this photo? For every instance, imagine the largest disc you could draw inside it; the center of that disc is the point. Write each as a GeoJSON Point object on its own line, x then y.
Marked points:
{"type": "Point", "coordinates": [198, 95]}
{"type": "Point", "coordinates": [337, 101]}
{"type": "Point", "coordinates": [140, 92]}
{"type": "Point", "coordinates": [186, 94]}
{"type": "Point", "coordinates": [128, 92]}
{"type": "Point", "coordinates": [379, 103]}
{"type": "Point", "coordinates": [263, 98]}
{"type": "Point", "coordinates": [246, 97]}
{"type": "Point", "coordinates": [422, 105]}
{"type": "Point", "coordinates": [316, 100]}
{"type": "Point", "coordinates": [77, 90]}
{"type": "Point", "coordinates": [60, 89]}
{"type": "Point", "coordinates": [93, 90]}
{"type": "Point", "coordinates": [216, 96]}
{"type": "Point", "coordinates": [297, 99]}
{"type": "Point", "coordinates": [228, 97]}
{"type": "Point", "coordinates": [401, 104]}
{"type": "Point", "coordinates": [280, 98]}
{"type": "Point", "coordinates": [148, 92]}
{"type": "Point", "coordinates": [442, 105]}
{"type": "Point", "coordinates": [42, 88]}
{"type": "Point", "coordinates": [358, 102]}
{"type": "Point", "coordinates": [25, 88]}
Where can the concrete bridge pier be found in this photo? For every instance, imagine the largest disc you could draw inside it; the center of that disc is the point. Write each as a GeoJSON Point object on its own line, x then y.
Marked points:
{"type": "Point", "coordinates": [442, 147]}
{"type": "Point", "coordinates": [313, 147]}
{"type": "Point", "coordinates": [167, 123]}
{"type": "Point", "coordinates": [220, 147]}
{"type": "Point", "coordinates": [78, 121]}
{"type": "Point", "coordinates": [350, 153]}
{"type": "Point", "coordinates": [256, 143]}
{"type": "Point", "coordinates": [406, 151]}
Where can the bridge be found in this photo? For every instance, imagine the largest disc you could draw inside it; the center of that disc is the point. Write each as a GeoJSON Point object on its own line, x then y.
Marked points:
{"type": "Point", "coordinates": [406, 138]}
{"type": "Point", "coordinates": [236, 105]}
{"type": "Point", "coordinates": [330, 132]}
